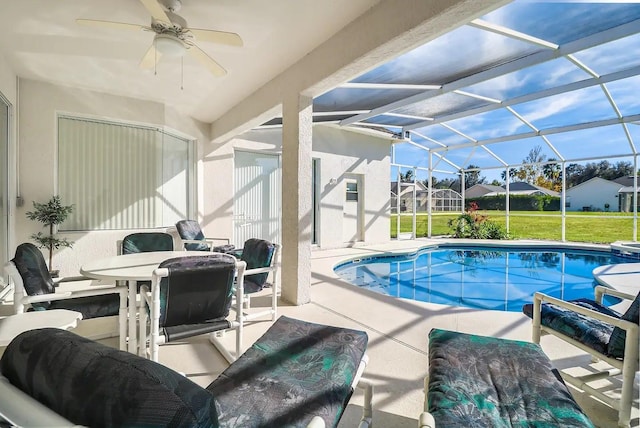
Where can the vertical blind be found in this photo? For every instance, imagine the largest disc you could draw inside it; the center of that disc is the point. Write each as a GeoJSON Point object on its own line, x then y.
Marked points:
{"type": "Point", "coordinates": [121, 176]}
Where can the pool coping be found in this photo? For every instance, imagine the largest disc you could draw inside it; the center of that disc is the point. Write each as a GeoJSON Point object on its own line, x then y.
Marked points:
{"type": "Point", "coordinates": [452, 242]}
{"type": "Point", "coordinates": [624, 277]}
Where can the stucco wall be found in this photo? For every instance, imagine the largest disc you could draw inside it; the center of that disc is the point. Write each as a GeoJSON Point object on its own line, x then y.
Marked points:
{"type": "Point", "coordinates": [341, 153]}
{"type": "Point", "coordinates": [39, 103]}
{"type": "Point", "coordinates": [594, 193]}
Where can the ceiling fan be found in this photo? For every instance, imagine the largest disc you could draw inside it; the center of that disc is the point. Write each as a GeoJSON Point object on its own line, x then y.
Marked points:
{"type": "Point", "coordinates": [172, 35]}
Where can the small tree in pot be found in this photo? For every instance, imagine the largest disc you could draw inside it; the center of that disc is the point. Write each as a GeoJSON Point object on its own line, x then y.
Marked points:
{"type": "Point", "coordinates": [51, 213]}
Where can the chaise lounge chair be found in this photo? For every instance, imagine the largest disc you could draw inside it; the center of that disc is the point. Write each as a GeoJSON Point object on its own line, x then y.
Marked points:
{"type": "Point", "coordinates": [298, 374]}
{"type": "Point", "coordinates": [599, 331]}
{"type": "Point", "coordinates": [480, 381]}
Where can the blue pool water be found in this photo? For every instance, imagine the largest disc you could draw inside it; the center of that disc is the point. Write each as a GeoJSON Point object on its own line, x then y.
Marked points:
{"type": "Point", "coordinates": [496, 278]}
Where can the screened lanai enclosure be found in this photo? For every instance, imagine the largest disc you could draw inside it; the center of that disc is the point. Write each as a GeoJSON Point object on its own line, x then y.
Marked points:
{"type": "Point", "coordinates": [530, 86]}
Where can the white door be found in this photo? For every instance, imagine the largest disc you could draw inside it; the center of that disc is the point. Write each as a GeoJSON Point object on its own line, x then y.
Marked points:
{"type": "Point", "coordinates": [257, 197]}
{"type": "Point", "coordinates": [352, 210]}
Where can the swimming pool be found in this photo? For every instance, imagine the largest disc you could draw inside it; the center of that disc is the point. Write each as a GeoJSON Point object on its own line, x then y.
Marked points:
{"type": "Point", "coordinates": [496, 278]}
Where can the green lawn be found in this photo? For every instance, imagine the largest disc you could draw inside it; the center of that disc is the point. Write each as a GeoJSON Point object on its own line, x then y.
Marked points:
{"type": "Point", "coordinates": [580, 226]}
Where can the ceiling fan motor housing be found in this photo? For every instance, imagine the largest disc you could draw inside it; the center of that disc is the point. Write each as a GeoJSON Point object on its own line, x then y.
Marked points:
{"type": "Point", "coordinates": [171, 5]}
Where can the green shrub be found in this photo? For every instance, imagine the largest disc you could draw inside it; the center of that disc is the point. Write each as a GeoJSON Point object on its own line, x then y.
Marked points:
{"type": "Point", "coordinates": [474, 225]}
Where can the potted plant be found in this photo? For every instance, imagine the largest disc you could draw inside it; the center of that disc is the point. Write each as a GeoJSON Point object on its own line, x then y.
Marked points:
{"type": "Point", "coordinates": [50, 214]}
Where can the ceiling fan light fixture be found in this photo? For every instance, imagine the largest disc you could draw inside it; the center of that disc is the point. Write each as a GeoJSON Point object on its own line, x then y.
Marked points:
{"type": "Point", "coordinates": [169, 45]}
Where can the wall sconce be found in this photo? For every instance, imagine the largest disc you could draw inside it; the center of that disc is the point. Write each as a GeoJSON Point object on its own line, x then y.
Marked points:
{"type": "Point", "coordinates": [333, 181]}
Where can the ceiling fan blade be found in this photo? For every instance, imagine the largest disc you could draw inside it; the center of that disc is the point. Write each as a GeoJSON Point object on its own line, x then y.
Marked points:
{"type": "Point", "coordinates": [111, 24]}
{"type": "Point", "coordinates": [207, 61]}
{"type": "Point", "coordinates": [156, 11]}
{"type": "Point", "coordinates": [223, 37]}
{"type": "Point", "coordinates": [150, 58]}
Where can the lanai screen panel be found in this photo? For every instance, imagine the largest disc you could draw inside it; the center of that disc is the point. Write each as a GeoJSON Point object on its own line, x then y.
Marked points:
{"type": "Point", "coordinates": [449, 58]}
{"type": "Point", "coordinates": [492, 124]}
{"type": "Point", "coordinates": [577, 107]}
{"type": "Point", "coordinates": [562, 75]}
{"type": "Point", "coordinates": [600, 142]}
{"type": "Point", "coordinates": [346, 99]}
{"type": "Point", "coordinates": [563, 22]}
{"type": "Point", "coordinates": [626, 94]}
{"type": "Point", "coordinates": [385, 119]}
{"type": "Point", "coordinates": [611, 57]}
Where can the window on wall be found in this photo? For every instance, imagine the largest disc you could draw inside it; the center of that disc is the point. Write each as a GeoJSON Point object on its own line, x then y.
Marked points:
{"type": "Point", "coordinates": [122, 176]}
{"type": "Point", "coordinates": [352, 191]}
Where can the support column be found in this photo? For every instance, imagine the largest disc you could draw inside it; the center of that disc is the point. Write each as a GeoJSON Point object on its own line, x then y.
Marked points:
{"type": "Point", "coordinates": [297, 202]}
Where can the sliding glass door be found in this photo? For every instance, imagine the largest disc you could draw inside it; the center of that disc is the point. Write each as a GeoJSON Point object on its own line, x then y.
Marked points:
{"type": "Point", "coordinates": [257, 197]}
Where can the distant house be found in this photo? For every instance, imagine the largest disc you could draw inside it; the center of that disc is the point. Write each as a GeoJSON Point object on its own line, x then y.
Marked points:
{"type": "Point", "coordinates": [596, 194]}
{"type": "Point", "coordinates": [523, 188]}
{"type": "Point", "coordinates": [625, 193]}
{"type": "Point", "coordinates": [479, 190]}
{"type": "Point", "coordinates": [626, 181]}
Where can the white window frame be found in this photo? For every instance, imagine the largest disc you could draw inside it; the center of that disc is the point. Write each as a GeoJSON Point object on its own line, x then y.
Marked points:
{"type": "Point", "coordinates": [157, 203]}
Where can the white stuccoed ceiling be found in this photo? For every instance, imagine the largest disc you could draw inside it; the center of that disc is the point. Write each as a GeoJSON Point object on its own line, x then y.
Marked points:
{"type": "Point", "coordinates": [41, 40]}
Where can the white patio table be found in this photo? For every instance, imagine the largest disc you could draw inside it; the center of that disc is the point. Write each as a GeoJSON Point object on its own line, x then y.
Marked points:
{"type": "Point", "coordinates": [132, 268]}
{"type": "Point", "coordinates": [13, 325]}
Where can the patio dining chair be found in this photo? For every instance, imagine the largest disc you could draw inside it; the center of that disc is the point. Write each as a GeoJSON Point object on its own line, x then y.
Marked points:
{"type": "Point", "coordinates": [35, 290]}
{"type": "Point", "coordinates": [190, 296]}
{"type": "Point", "coordinates": [603, 333]}
{"type": "Point", "coordinates": [144, 242]}
{"type": "Point", "coordinates": [261, 257]}
{"type": "Point", "coordinates": [193, 238]}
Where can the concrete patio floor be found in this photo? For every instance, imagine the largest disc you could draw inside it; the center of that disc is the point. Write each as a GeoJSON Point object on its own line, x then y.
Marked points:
{"type": "Point", "coordinates": [397, 330]}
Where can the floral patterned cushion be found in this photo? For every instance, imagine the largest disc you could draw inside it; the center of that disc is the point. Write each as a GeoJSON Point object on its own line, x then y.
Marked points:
{"type": "Point", "coordinates": [147, 241]}
{"type": "Point", "coordinates": [36, 279]}
{"type": "Point", "coordinates": [478, 381]}
{"type": "Point", "coordinates": [33, 269]}
{"type": "Point", "coordinates": [94, 385]}
{"type": "Point", "coordinates": [618, 336]}
{"type": "Point", "coordinates": [257, 253]}
{"type": "Point", "coordinates": [586, 330]}
{"type": "Point", "coordinates": [190, 230]}
{"type": "Point", "coordinates": [105, 305]}
{"type": "Point", "coordinates": [295, 370]}
{"type": "Point", "coordinates": [198, 289]}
